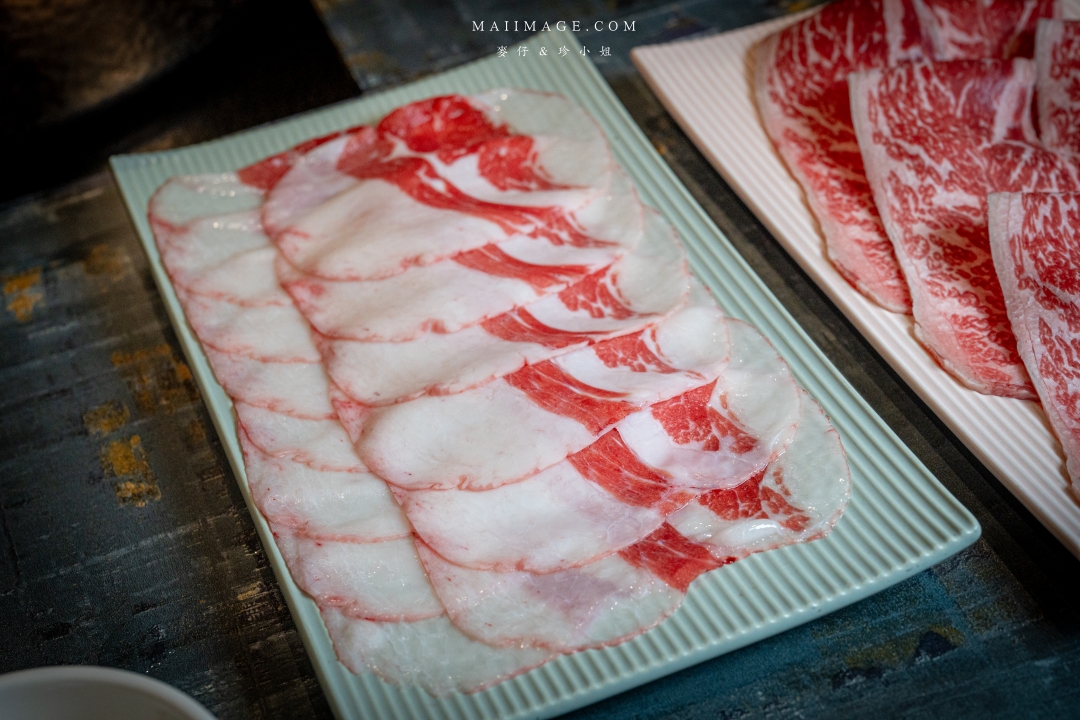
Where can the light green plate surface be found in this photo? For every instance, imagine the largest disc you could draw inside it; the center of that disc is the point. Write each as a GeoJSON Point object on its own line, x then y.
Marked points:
{"type": "Point", "coordinates": [900, 520]}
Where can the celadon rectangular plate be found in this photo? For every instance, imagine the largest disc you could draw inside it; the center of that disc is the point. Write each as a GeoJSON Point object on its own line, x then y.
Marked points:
{"type": "Point", "coordinates": [706, 84]}
{"type": "Point", "coordinates": [900, 520]}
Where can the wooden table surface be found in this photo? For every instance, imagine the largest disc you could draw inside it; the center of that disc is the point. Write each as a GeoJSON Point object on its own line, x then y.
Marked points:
{"type": "Point", "coordinates": [124, 540]}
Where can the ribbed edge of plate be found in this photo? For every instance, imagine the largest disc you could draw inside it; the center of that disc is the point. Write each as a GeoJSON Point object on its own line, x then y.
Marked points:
{"type": "Point", "coordinates": [900, 519]}
{"type": "Point", "coordinates": [706, 85]}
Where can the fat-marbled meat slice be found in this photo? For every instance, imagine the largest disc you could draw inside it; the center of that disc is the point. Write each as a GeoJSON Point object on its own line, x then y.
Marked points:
{"type": "Point", "coordinates": [1035, 239]}
{"type": "Point", "coordinates": [471, 286]}
{"type": "Point", "coordinates": [378, 200]}
{"type": "Point", "coordinates": [602, 603]}
{"type": "Point", "coordinates": [801, 89]}
{"type": "Point", "coordinates": [380, 580]}
{"type": "Point", "coordinates": [801, 86]}
{"type": "Point", "coordinates": [596, 502]}
{"type": "Point", "coordinates": [994, 29]}
{"type": "Point", "coordinates": [350, 506]}
{"type": "Point", "coordinates": [526, 421]}
{"type": "Point", "coordinates": [797, 498]}
{"type": "Point", "coordinates": [224, 257]}
{"type": "Point", "coordinates": [643, 286]}
{"type": "Point", "coordinates": [443, 297]}
{"type": "Point", "coordinates": [1057, 58]}
{"type": "Point", "coordinates": [722, 433]}
{"type": "Point", "coordinates": [926, 131]}
{"type": "Point", "coordinates": [604, 498]}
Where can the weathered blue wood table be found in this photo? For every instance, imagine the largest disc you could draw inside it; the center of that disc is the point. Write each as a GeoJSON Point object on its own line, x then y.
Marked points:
{"type": "Point", "coordinates": [124, 540]}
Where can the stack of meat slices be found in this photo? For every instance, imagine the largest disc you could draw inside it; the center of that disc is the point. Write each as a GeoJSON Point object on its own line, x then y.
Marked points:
{"type": "Point", "coordinates": [487, 413]}
{"type": "Point", "coordinates": [938, 96]}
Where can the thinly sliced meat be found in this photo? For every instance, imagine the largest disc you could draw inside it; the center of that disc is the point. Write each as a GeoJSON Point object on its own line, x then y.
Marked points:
{"type": "Point", "coordinates": [469, 288]}
{"type": "Point", "coordinates": [556, 154]}
{"type": "Point", "coordinates": [319, 444]}
{"type": "Point", "coordinates": [329, 215]}
{"type": "Point", "coordinates": [268, 172]}
{"type": "Point", "coordinates": [1035, 240]}
{"type": "Point", "coordinates": [431, 654]}
{"type": "Point", "coordinates": [227, 257]}
{"type": "Point", "coordinates": [801, 88]}
{"type": "Point", "coordinates": [1018, 166]}
{"type": "Point", "coordinates": [642, 286]}
{"type": "Point", "coordinates": [594, 503]}
{"type": "Point", "coordinates": [322, 505]}
{"type": "Point", "coordinates": [292, 388]}
{"type": "Point", "coordinates": [994, 29]}
{"type": "Point", "coordinates": [602, 603]}
{"type": "Point", "coordinates": [1057, 60]}
{"type": "Point", "coordinates": [802, 91]}
{"type": "Point", "coordinates": [375, 230]}
{"type": "Point", "coordinates": [513, 427]}
{"type": "Point", "coordinates": [925, 130]}
{"type": "Point", "coordinates": [512, 147]}
{"type": "Point", "coordinates": [271, 333]}
{"type": "Point", "coordinates": [798, 498]}
{"type": "Point", "coordinates": [720, 435]}
{"type": "Point", "coordinates": [309, 181]}
{"type": "Point", "coordinates": [184, 198]}
{"type": "Point", "coordinates": [443, 297]}
{"type": "Point", "coordinates": [246, 278]}
{"type": "Point", "coordinates": [381, 581]}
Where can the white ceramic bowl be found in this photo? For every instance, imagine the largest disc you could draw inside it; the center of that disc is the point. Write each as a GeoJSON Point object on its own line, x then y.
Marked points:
{"type": "Point", "coordinates": [81, 692]}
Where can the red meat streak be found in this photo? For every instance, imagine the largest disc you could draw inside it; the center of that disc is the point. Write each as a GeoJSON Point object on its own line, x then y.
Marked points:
{"type": "Point", "coordinates": [547, 385]}
{"type": "Point", "coordinates": [671, 557]}
{"type": "Point", "coordinates": [609, 463]}
{"type": "Point", "coordinates": [753, 500]}
{"type": "Point", "coordinates": [630, 351]}
{"type": "Point", "coordinates": [689, 418]}
{"type": "Point", "coordinates": [491, 259]}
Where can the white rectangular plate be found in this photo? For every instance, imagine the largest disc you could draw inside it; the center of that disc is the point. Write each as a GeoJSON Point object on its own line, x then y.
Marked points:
{"type": "Point", "coordinates": [706, 84]}
{"type": "Point", "coordinates": [900, 520]}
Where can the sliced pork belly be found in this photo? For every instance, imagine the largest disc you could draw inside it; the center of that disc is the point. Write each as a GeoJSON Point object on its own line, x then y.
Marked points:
{"type": "Point", "coordinates": [602, 603]}
{"type": "Point", "coordinates": [184, 198]}
{"type": "Point", "coordinates": [994, 29]}
{"type": "Point", "coordinates": [801, 89]}
{"type": "Point", "coordinates": [319, 504]}
{"type": "Point", "coordinates": [925, 130]}
{"type": "Point", "coordinates": [515, 426]}
{"type": "Point", "coordinates": [382, 581]}
{"type": "Point", "coordinates": [320, 444]}
{"type": "Point", "coordinates": [431, 654]}
{"type": "Point", "coordinates": [1057, 59]}
{"type": "Point", "coordinates": [1035, 239]}
{"type": "Point", "coordinates": [721, 434]}
{"type": "Point", "coordinates": [642, 286]}
{"type": "Point", "coordinates": [798, 498]}
{"type": "Point", "coordinates": [594, 503]}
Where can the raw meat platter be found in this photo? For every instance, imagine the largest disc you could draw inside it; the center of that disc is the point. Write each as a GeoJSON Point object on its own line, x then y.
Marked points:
{"type": "Point", "coordinates": [899, 519]}
{"type": "Point", "coordinates": [707, 86]}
